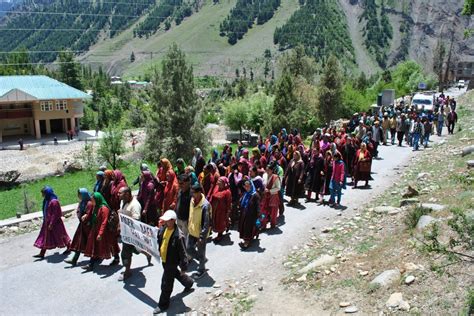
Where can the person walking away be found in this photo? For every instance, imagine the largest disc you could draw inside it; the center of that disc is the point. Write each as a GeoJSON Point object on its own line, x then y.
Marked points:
{"type": "Point", "coordinates": [418, 130]}
{"type": "Point", "coordinates": [221, 205]}
{"type": "Point", "coordinates": [131, 208]}
{"type": "Point", "coordinates": [400, 129]}
{"type": "Point", "coordinates": [198, 227]}
{"type": "Point", "coordinates": [271, 196]}
{"type": "Point", "coordinates": [79, 241]}
{"type": "Point", "coordinates": [20, 142]}
{"type": "Point", "coordinates": [99, 242]}
{"type": "Point", "coordinates": [173, 255]}
{"type": "Point", "coordinates": [393, 128]}
{"type": "Point", "coordinates": [249, 210]}
{"type": "Point", "coordinates": [385, 128]}
{"type": "Point", "coordinates": [452, 120]}
{"type": "Point", "coordinates": [182, 203]}
{"type": "Point", "coordinates": [440, 121]}
{"type": "Point", "coordinates": [427, 127]}
{"type": "Point", "coordinates": [338, 178]}
{"type": "Point", "coordinates": [53, 233]}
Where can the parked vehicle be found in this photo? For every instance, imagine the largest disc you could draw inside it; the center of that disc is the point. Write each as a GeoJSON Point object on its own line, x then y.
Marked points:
{"type": "Point", "coordinates": [423, 102]}
{"type": "Point", "coordinates": [461, 84]}
{"type": "Point", "coordinates": [247, 136]}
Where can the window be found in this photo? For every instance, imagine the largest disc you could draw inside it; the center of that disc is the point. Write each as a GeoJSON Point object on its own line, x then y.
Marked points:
{"type": "Point", "coordinates": [46, 106]}
{"type": "Point", "coordinates": [61, 105]}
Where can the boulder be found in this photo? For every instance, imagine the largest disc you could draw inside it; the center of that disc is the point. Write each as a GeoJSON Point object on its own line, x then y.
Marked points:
{"type": "Point", "coordinates": [409, 279]}
{"type": "Point", "coordinates": [410, 192]}
{"type": "Point", "coordinates": [387, 278]}
{"type": "Point", "coordinates": [351, 309]}
{"type": "Point", "coordinates": [470, 163]}
{"type": "Point", "coordinates": [9, 179]}
{"type": "Point", "coordinates": [321, 261]}
{"type": "Point", "coordinates": [394, 300]}
{"type": "Point", "coordinates": [387, 210]}
{"type": "Point", "coordinates": [467, 150]}
{"type": "Point", "coordinates": [406, 202]}
{"type": "Point", "coordinates": [422, 176]}
{"type": "Point", "coordinates": [433, 207]}
{"type": "Point", "coordinates": [72, 167]}
{"type": "Point", "coordinates": [424, 221]}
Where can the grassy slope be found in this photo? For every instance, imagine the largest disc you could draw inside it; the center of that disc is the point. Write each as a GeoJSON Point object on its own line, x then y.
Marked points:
{"type": "Point", "coordinates": [197, 35]}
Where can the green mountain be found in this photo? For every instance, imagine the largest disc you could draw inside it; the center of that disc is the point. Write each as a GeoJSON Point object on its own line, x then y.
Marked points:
{"type": "Point", "coordinates": [129, 37]}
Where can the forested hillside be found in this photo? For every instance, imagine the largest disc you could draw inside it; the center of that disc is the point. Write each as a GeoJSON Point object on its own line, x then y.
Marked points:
{"type": "Point", "coordinates": [320, 26]}
{"type": "Point", "coordinates": [244, 15]}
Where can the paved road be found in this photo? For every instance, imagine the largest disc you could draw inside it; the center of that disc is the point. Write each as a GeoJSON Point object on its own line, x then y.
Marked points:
{"type": "Point", "coordinates": [52, 287]}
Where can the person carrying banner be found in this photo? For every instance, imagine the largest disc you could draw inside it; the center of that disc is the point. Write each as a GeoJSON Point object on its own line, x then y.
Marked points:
{"type": "Point", "coordinates": [173, 254]}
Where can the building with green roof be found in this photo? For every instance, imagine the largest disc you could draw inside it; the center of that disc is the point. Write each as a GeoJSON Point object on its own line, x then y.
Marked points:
{"type": "Point", "coordinates": [38, 105]}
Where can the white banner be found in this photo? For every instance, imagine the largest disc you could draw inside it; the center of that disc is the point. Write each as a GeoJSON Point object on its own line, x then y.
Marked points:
{"type": "Point", "coordinates": [144, 237]}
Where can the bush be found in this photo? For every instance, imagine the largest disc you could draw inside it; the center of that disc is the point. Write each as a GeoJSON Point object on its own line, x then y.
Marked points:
{"type": "Point", "coordinates": [413, 216]}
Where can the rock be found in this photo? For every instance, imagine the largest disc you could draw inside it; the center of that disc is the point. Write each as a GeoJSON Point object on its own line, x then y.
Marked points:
{"type": "Point", "coordinates": [301, 278]}
{"type": "Point", "coordinates": [404, 306]}
{"type": "Point", "coordinates": [216, 286]}
{"type": "Point", "coordinates": [467, 150]}
{"type": "Point", "coordinates": [321, 261]}
{"type": "Point", "coordinates": [410, 266]}
{"type": "Point", "coordinates": [386, 210]}
{"type": "Point", "coordinates": [25, 224]}
{"type": "Point", "coordinates": [406, 202]}
{"type": "Point", "coordinates": [344, 304]}
{"type": "Point", "coordinates": [422, 176]}
{"type": "Point", "coordinates": [72, 167]}
{"type": "Point", "coordinates": [424, 221]}
{"type": "Point", "coordinates": [9, 179]}
{"type": "Point", "coordinates": [363, 273]}
{"type": "Point", "coordinates": [351, 309]}
{"type": "Point", "coordinates": [13, 229]}
{"type": "Point", "coordinates": [410, 192]}
{"type": "Point", "coordinates": [409, 279]}
{"type": "Point", "coordinates": [433, 207]}
{"type": "Point", "coordinates": [327, 229]}
{"type": "Point", "coordinates": [387, 278]}
{"type": "Point", "coordinates": [394, 300]}
{"type": "Point", "coordinates": [470, 163]}
{"type": "Point", "coordinates": [260, 288]}
{"type": "Point", "coordinates": [218, 293]}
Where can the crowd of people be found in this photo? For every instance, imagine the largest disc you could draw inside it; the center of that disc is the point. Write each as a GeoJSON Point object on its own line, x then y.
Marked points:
{"type": "Point", "coordinates": [243, 190]}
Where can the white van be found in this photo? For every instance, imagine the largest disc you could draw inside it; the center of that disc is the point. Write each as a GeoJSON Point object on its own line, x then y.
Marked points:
{"type": "Point", "coordinates": [461, 84]}
{"type": "Point", "coordinates": [423, 102]}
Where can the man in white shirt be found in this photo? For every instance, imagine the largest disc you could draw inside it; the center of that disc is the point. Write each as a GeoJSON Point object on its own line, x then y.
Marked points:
{"type": "Point", "coordinates": [129, 207]}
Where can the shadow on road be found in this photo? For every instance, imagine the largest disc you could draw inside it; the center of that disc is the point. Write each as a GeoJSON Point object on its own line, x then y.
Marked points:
{"type": "Point", "coordinates": [55, 258]}
{"type": "Point", "coordinates": [274, 231]}
{"type": "Point", "coordinates": [135, 283]}
{"type": "Point", "coordinates": [205, 281]}
{"type": "Point", "coordinates": [107, 271]}
{"type": "Point", "coordinates": [225, 241]}
{"type": "Point", "coordinates": [254, 247]}
{"type": "Point", "coordinates": [177, 306]}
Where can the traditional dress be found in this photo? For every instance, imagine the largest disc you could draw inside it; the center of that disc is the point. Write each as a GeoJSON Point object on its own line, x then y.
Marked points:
{"type": "Point", "coordinates": [294, 177]}
{"type": "Point", "coordinates": [106, 189]}
{"type": "Point", "coordinates": [221, 202]}
{"type": "Point", "coordinates": [79, 241]}
{"type": "Point", "coordinates": [249, 210]}
{"type": "Point", "coordinates": [315, 179]}
{"type": "Point", "coordinates": [362, 165]}
{"type": "Point", "coordinates": [99, 249]}
{"type": "Point", "coordinates": [53, 233]}
{"type": "Point", "coordinates": [146, 198]}
{"type": "Point", "coordinates": [118, 183]}
{"type": "Point", "coordinates": [170, 193]}
{"type": "Point", "coordinates": [270, 200]}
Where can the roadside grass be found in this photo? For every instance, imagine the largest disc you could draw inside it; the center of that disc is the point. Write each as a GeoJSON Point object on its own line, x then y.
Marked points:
{"type": "Point", "coordinates": [64, 186]}
{"type": "Point", "coordinates": [414, 215]}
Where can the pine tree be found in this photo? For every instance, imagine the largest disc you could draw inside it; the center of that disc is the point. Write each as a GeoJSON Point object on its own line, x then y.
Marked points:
{"type": "Point", "coordinates": [175, 127]}
{"type": "Point", "coordinates": [69, 70]}
{"type": "Point", "coordinates": [285, 102]}
{"type": "Point", "coordinates": [132, 57]}
{"type": "Point", "coordinates": [330, 90]}
{"type": "Point", "coordinates": [438, 61]}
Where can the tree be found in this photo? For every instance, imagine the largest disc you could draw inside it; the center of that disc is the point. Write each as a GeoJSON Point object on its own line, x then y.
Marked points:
{"type": "Point", "coordinates": [236, 115]}
{"type": "Point", "coordinates": [285, 102]}
{"type": "Point", "coordinates": [438, 61]}
{"type": "Point", "coordinates": [69, 70]}
{"type": "Point", "coordinates": [468, 7]}
{"type": "Point", "coordinates": [112, 145]}
{"type": "Point", "coordinates": [330, 90]}
{"type": "Point", "coordinates": [297, 63]}
{"type": "Point", "coordinates": [132, 57]}
{"type": "Point", "coordinates": [175, 127]}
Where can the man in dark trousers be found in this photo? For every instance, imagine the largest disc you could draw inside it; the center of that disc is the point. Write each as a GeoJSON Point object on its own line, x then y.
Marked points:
{"type": "Point", "coordinates": [172, 252]}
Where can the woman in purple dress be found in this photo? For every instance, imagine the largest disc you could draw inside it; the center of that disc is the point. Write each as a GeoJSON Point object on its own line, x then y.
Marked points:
{"type": "Point", "coordinates": [53, 233]}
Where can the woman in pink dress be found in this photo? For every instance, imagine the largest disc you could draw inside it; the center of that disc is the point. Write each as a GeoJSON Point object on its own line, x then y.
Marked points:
{"type": "Point", "coordinates": [53, 233]}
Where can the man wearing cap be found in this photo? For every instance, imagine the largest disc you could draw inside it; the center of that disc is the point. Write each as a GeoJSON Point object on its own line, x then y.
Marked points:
{"type": "Point", "coordinates": [172, 252]}
{"type": "Point", "coordinates": [198, 227]}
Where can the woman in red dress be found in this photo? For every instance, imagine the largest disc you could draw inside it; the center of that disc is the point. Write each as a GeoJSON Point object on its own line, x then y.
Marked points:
{"type": "Point", "coordinates": [53, 233]}
{"type": "Point", "coordinates": [362, 165]}
{"type": "Point", "coordinates": [79, 241]}
{"type": "Point", "coordinates": [170, 192]}
{"type": "Point", "coordinates": [106, 189]}
{"type": "Point", "coordinates": [146, 198]}
{"type": "Point", "coordinates": [221, 202]}
{"type": "Point", "coordinates": [271, 196]}
{"type": "Point", "coordinates": [117, 183]}
{"type": "Point", "coordinates": [100, 241]}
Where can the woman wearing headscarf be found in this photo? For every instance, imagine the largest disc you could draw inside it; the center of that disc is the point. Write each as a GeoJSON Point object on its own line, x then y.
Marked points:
{"type": "Point", "coordinates": [362, 165]}
{"type": "Point", "coordinates": [338, 178]}
{"type": "Point", "coordinates": [271, 196]}
{"type": "Point", "coordinates": [99, 242]}
{"type": "Point", "coordinates": [106, 190]}
{"type": "Point", "coordinates": [170, 193]}
{"type": "Point", "coordinates": [79, 241]}
{"type": "Point", "coordinates": [53, 233]}
{"type": "Point", "coordinates": [221, 202]}
{"type": "Point", "coordinates": [327, 175]}
{"type": "Point", "coordinates": [315, 172]}
{"type": "Point", "coordinates": [209, 179]}
{"type": "Point", "coordinates": [99, 176]}
{"type": "Point", "coordinates": [234, 184]}
{"type": "Point", "coordinates": [294, 178]}
{"type": "Point", "coordinates": [146, 198]}
{"type": "Point", "coordinates": [214, 156]}
{"type": "Point", "coordinates": [198, 161]}
{"type": "Point", "coordinates": [118, 183]}
{"type": "Point", "coordinates": [180, 167]}
{"type": "Point", "coordinates": [190, 170]}
{"type": "Point", "coordinates": [257, 180]}
{"type": "Point", "coordinates": [249, 210]}
{"type": "Point", "coordinates": [143, 167]}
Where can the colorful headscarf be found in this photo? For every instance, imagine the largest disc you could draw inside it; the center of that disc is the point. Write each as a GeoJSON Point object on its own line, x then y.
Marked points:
{"type": "Point", "coordinates": [48, 196]}
{"type": "Point", "coordinates": [225, 181]}
{"type": "Point", "coordinates": [118, 175]}
{"type": "Point", "coordinates": [244, 203]}
{"type": "Point", "coordinates": [99, 202]}
{"type": "Point", "coordinates": [98, 183]}
{"type": "Point", "coordinates": [85, 198]}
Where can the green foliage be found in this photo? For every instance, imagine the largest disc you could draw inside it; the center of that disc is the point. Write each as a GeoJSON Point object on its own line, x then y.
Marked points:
{"type": "Point", "coordinates": [407, 75]}
{"type": "Point", "coordinates": [414, 215]}
{"type": "Point", "coordinates": [244, 15]}
{"type": "Point", "coordinates": [320, 26]}
{"type": "Point", "coordinates": [90, 118]}
{"type": "Point", "coordinates": [69, 70]}
{"type": "Point", "coordinates": [285, 102]}
{"type": "Point", "coordinates": [355, 100]}
{"type": "Point", "coordinates": [112, 146]}
{"type": "Point", "coordinates": [468, 7]}
{"type": "Point", "coordinates": [175, 126]}
{"type": "Point", "coordinates": [330, 90]}
{"type": "Point", "coordinates": [236, 115]}
{"type": "Point", "coordinates": [297, 63]}
{"type": "Point", "coordinates": [260, 105]}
